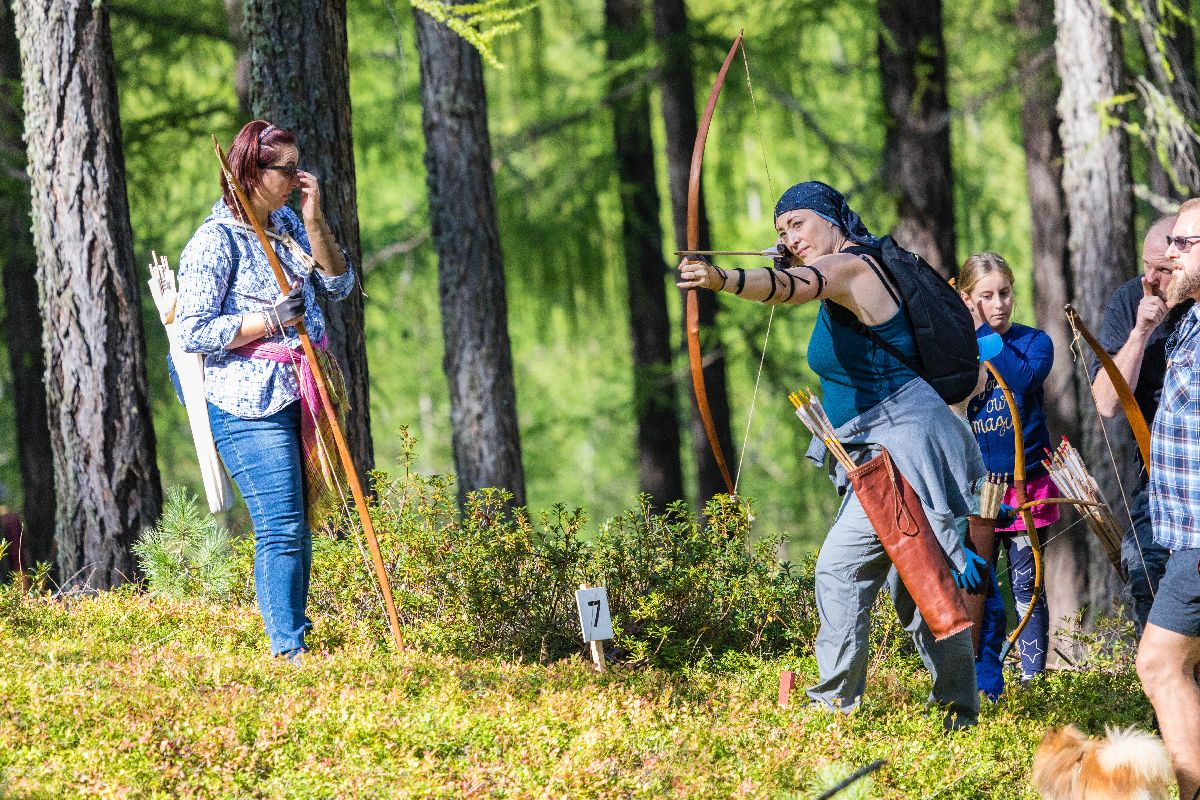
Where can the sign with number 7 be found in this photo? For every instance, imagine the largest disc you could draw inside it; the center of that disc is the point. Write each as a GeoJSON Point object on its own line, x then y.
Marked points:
{"type": "Point", "coordinates": [594, 619]}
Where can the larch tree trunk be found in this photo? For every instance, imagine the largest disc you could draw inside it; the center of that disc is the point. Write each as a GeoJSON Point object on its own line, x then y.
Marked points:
{"type": "Point", "coordinates": [23, 321]}
{"type": "Point", "coordinates": [678, 102]}
{"type": "Point", "coordinates": [299, 79]}
{"type": "Point", "coordinates": [1172, 103]}
{"type": "Point", "coordinates": [917, 168]}
{"type": "Point", "coordinates": [1097, 186]}
{"type": "Point", "coordinates": [106, 478]}
{"type": "Point", "coordinates": [660, 473]}
{"type": "Point", "coordinates": [1052, 281]}
{"type": "Point", "coordinates": [462, 212]}
{"type": "Point", "coordinates": [235, 12]}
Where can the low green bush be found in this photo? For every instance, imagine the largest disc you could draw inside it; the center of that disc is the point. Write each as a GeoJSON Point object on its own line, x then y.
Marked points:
{"type": "Point", "coordinates": [188, 554]}
{"type": "Point", "coordinates": [495, 580]}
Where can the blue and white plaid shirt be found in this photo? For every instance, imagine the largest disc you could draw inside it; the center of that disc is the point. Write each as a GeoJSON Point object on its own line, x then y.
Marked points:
{"type": "Point", "coordinates": [1175, 443]}
{"type": "Point", "coordinates": [213, 296]}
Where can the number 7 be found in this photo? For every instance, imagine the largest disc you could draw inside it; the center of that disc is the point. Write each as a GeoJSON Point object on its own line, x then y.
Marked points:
{"type": "Point", "coordinates": [595, 603]}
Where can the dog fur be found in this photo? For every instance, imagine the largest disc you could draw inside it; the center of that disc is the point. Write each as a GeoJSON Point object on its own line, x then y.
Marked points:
{"type": "Point", "coordinates": [1125, 765]}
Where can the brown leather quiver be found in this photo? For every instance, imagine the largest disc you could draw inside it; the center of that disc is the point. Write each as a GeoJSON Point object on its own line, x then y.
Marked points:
{"type": "Point", "coordinates": [981, 537]}
{"type": "Point", "coordinates": [900, 523]}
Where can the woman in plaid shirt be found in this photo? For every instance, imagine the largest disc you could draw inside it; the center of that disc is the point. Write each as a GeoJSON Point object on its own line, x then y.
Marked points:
{"type": "Point", "coordinates": [256, 377]}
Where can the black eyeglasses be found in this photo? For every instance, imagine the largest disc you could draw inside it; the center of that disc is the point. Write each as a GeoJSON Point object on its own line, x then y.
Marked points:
{"type": "Point", "coordinates": [1182, 243]}
{"type": "Point", "coordinates": [289, 172]}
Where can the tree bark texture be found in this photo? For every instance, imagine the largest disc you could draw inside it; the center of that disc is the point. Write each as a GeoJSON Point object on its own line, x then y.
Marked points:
{"type": "Point", "coordinates": [917, 169]}
{"type": "Point", "coordinates": [235, 12]}
{"type": "Point", "coordinates": [300, 81]}
{"type": "Point", "coordinates": [23, 322]}
{"type": "Point", "coordinates": [655, 397]}
{"type": "Point", "coordinates": [678, 103]}
{"type": "Point", "coordinates": [462, 212]}
{"type": "Point", "coordinates": [1174, 163]}
{"type": "Point", "coordinates": [105, 474]}
{"type": "Point", "coordinates": [1097, 186]}
{"type": "Point", "coordinates": [1052, 283]}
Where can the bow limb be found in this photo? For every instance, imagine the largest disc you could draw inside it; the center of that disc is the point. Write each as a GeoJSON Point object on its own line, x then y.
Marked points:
{"type": "Point", "coordinates": [692, 312]}
{"type": "Point", "coordinates": [1129, 405]}
{"type": "Point", "coordinates": [319, 376]}
{"type": "Point", "coordinates": [1023, 507]}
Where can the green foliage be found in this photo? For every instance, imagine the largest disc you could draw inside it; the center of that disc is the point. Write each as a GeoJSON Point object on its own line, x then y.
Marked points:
{"type": "Point", "coordinates": [477, 23]}
{"type": "Point", "coordinates": [682, 589]}
{"type": "Point", "coordinates": [495, 581]}
{"type": "Point", "coordinates": [830, 775]}
{"type": "Point", "coordinates": [188, 554]}
{"type": "Point", "coordinates": [122, 694]}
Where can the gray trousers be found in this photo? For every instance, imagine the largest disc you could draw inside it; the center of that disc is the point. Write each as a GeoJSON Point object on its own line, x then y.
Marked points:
{"type": "Point", "coordinates": [851, 569]}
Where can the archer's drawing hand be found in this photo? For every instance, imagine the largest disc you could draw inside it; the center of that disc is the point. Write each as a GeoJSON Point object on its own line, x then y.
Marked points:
{"type": "Point", "coordinates": [310, 198]}
{"type": "Point", "coordinates": [289, 308]}
{"type": "Point", "coordinates": [697, 274]}
{"type": "Point", "coordinates": [1151, 311]}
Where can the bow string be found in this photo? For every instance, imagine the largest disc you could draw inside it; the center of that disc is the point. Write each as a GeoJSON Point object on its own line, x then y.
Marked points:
{"type": "Point", "coordinates": [692, 308]}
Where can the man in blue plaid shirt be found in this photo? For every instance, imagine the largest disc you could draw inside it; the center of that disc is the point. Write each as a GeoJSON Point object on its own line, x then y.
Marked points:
{"type": "Point", "coordinates": [1168, 661]}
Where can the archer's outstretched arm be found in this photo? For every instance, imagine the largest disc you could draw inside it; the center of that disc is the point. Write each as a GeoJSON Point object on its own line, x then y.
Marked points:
{"type": "Point", "coordinates": [830, 277]}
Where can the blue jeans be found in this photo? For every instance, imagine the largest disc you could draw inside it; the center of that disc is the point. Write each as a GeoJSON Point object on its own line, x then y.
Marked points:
{"type": "Point", "coordinates": [263, 457]}
{"type": "Point", "coordinates": [1145, 560]}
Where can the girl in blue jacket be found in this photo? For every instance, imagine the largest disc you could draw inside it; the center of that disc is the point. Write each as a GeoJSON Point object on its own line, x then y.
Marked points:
{"type": "Point", "coordinates": [986, 285]}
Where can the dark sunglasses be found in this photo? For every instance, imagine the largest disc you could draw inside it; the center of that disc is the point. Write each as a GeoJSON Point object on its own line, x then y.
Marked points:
{"type": "Point", "coordinates": [1182, 243]}
{"type": "Point", "coordinates": [289, 172]}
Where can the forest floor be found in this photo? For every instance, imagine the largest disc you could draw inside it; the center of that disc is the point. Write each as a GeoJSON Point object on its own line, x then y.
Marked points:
{"type": "Point", "coordinates": [128, 695]}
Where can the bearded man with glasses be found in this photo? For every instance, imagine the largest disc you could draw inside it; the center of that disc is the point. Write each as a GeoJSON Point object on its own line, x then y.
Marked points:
{"type": "Point", "coordinates": [1168, 661]}
{"type": "Point", "coordinates": [1138, 322]}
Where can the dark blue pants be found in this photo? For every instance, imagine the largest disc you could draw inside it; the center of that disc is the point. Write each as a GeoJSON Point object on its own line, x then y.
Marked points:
{"type": "Point", "coordinates": [1035, 638]}
{"type": "Point", "coordinates": [1144, 559]}
{"type": "Point", "coordinates": [989, 672]}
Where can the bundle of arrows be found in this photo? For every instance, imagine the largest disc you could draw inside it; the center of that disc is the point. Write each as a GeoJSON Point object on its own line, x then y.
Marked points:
{"type": "Point", "coordinates": [808, 409]}
{"type": "Point", "coordinates": [1072, 478]}
{"type": "Point", "coordinates": [991, 495]}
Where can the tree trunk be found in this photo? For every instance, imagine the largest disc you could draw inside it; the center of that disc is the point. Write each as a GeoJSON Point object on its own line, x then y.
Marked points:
{"type": "Point", "coordinates": [300, 81]}
{"type": "Point", "coordinates": [917, 170]}
{"type": "Point", "coordinates": [654, 394]}
{"type": "Point", "coordinates": [105, 473]}
{"type": "Point", "coordinates": [1097, 187]}
{"type": "Point", "coordinates": [678, 101]}
{"type": "Point", "coordinates": [1174, 163]}
{"type": "Point", "coordinates": [462, 212]}
{"type": "Point", "coordinates": [23, 323]}
{"type": "Point", "coordinates": [1052, 282]}
{"type": "Point", "coordinates": [235, 12]}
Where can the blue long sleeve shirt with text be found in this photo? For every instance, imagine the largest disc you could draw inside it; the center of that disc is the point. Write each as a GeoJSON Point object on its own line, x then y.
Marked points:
{"type": "Point", "coordinates": [1024, 363]}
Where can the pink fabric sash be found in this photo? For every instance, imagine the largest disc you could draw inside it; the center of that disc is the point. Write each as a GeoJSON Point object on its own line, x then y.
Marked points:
{"type": "Point", "coordinates": [323, 473]}
{"type": "Point", "coordinates": [280, 353]}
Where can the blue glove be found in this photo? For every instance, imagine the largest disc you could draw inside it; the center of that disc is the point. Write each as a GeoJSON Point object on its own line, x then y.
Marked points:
{"type": "Point", "coordinates": [1005, 516]}
{"type": "Point", "coordinates": [971, 578]}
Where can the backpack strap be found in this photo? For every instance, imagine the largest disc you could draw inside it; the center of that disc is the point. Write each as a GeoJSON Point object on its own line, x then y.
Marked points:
{"type": "Point", "coordinates": [868, 255]}
{"type": "Point", "coordinates": [845, 317]}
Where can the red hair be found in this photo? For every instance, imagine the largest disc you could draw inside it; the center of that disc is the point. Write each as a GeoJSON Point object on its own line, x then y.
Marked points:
{"type": "Point", "coordinates": [257, 144]}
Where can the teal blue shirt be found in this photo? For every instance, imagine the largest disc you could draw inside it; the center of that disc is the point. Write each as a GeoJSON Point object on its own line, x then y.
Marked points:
{"type": "Point", "coordinates": [856, 373]}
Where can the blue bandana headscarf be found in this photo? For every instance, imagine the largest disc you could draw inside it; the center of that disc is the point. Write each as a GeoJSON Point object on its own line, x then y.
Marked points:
{"type": "Point", "coordinates": [829, 203]}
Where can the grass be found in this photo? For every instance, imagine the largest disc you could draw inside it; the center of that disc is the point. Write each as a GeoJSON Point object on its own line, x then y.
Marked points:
{"type": "Point", "coordinates": [128, 695]}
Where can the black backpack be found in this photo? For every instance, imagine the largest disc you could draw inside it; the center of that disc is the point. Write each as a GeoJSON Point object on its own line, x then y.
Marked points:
{"type": "Point", "coordinates": [947, 350]}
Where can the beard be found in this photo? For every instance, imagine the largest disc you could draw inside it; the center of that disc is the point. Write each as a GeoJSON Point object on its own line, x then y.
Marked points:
{"type": "Point", "coordinates": [1184, 284]}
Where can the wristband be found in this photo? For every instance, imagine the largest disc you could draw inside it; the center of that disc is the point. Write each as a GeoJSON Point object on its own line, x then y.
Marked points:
{"type": "Point", "coordinates": [741, 284]}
